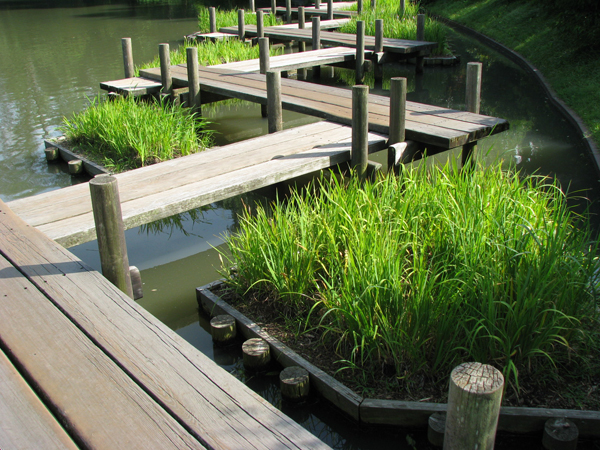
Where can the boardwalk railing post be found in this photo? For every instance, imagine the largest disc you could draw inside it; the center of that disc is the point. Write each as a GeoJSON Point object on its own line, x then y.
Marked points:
{"type": "Point", "coordinates": [127, 57]}
{"type": "Point", "coordinates": [288, 11]}
{"type": "Point", "coordinates": [274, 7]}
{"type": "Point", "coordinates": [359, 6]}
{"type": "Point", "coordinates": [402, 8]}
{"type": "Point", "coordinates": [193, 79]}
{"type": "Point", "coordinates": [360, 129]}
{"type": "Point", "coordinates": [241, 24]}
{"type": "Point", "coordinates": [378, 70]}
{"type": "Point", "coordinates": [316, 42]}
{"type": "Point", "coordinates": [106, 207]}
{"type": "Point", "coordinates": [397, 120]}
{"type": "Point", "coordinates": [260, 24]}
{"type": "Point", "coordinates": [420, 37]}
{"type": "Point", "coordinates": [252, 6]}
{"type": "Point", "coordinates": [329, 9]}
{"type": "Point", "coordinates": [212, 19]}
{"type": "Point", "coordinates": [473, 102]}
{"type": "Point", "coordinates": [360, 51]}
{"type": "Point", "coordinates": [317, 4]}
{"type": "Point", "coordinates": [474, 399]}
{"type": "Point", "coordinates": [264, 65]}
{"type": "Point", "coordinates": [274, 101]}
{"type": "Point", "coordinates": [165, 68]}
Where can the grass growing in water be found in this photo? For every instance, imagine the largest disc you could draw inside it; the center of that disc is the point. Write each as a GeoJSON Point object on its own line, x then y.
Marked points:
{"type": "Point", "coordinates": [429, 270]}
{"type": "Point", "coordinates": [123, 133]}
{"type": "Point", "coordinates": [229, 18]}
{"type": "Point", "coordinates": [400, 27]}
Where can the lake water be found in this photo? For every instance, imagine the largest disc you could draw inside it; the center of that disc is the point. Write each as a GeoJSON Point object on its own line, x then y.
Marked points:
{"type": "Point", "coordinates": [55, 53]}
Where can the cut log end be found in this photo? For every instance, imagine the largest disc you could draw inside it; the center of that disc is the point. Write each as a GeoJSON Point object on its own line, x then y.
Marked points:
{"type": "Point", "coordinates": [294, 383]}
{"type": "Point", "coordinates": [560, 434]}
{"type": "Point", "coordinates": [256, 354]}
{"type": "Point", "coordinates": [222, 329]}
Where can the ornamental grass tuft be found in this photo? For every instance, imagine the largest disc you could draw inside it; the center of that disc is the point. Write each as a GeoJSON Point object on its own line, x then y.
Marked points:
{"type": "Point", "coordinates": [428, 270]}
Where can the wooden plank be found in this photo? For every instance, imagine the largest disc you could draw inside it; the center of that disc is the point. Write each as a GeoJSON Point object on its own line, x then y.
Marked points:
{"type": "Point", "coordinates": [56, 205]}
{"type": "Point", "coordinates": [132, 86]}
{"type": "Point", "coordinates": [215, 407]}
{"type": "Point", "coordinates": [164, 203]}
{"type": "Point", "coordinates": [24, 420]}
{"type": "Point", "coordinates": [100, 405]}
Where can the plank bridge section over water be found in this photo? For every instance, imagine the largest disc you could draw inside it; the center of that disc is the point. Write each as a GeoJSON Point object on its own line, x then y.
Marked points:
{"type": "Point", "coordinates": [161, 190]}
{"type": "Point", "coordinates": [83, 366]}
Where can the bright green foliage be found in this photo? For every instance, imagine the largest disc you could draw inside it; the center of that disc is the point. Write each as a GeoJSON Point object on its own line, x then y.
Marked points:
{"type": "Point", "coordinates": [398, 26]}
{"type": "Point", "coordinates": [428, 270]}
{"type": "Point", "coordinates": [229, 18]}
{"type": "Point", "coordinates": [124, 133]}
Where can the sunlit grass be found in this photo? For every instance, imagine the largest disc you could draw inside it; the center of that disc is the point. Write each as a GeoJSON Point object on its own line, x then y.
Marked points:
{"type": "Point", "coordinates": [429, 270]}
{"type": "Point", "coordinates": [123, 133]}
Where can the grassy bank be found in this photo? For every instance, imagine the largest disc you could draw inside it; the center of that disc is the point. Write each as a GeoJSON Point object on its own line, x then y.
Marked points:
{"type": "Point", "coordinates": [420, 273]}
{"type": "Point", "coordinates": [571, 67]}
{"type": "Point", "coordinates": [124, 134]}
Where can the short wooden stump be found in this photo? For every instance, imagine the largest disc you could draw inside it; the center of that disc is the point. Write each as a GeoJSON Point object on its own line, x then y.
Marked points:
{"type": "Point", "coordinates": [256, 354]}
{"type": "Point", "coordinates": [294, 383]}
{"type": "Point", "coordinates": [75, 166]}
{"type": "Point", "coordinates": [222, 329]}
{"type": "Point", "coordinates": [560, 434]}
{"type": "Point", "coordinates": [52, 153]}
{"type": "Point", "coordinates": [435, 428]}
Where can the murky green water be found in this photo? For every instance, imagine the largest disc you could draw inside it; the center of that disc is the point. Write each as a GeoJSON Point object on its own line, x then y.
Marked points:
{"type": "Point", "coordinates": [54, 54]}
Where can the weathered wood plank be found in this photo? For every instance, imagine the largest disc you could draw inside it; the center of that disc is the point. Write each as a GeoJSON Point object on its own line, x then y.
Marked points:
{"type": "Point", "coordinates": [25, 422]}
{"type": "Point", "coordinates": [215, 407]}
{"type": "Point", "coordinates": [132, 86]}
{"type": "Point", "coordinates": [100, 405]}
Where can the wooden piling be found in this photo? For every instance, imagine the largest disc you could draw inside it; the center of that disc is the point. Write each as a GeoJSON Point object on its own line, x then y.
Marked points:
{"type": "Point", "coordinates": [360, 51]}
{"type": "Point", "coordinates": [274, 7]}
{"type": "Point", "coordinates": [402, 8]}
{"type": "Point", "coordinates": [397, 110]}
{"type": "Point", "coordinates": [329, 9]}
{"type": "Point", "coordinates": [318, 4]}
{"type": "Point", "coordinates": [274, 109]}
{"type": "Point", "coordinates": [75, 166]}
{"type": "Point", "coordinates": [264, 58]}
{"type": "Point", "coordinates": [294, 383]}
{"type": "Point", "coordinates": [194, 100]}
{"type": "Point", "coordinates": [288, 11]}
{"type": "Point", "coordinates": [474, 399]}
{"type": "Point", "coordinates": [256, 354]}
{"type": "Point", "coordinates": [316, 33]}
{"type": "Point", "coordinates": [165, 68]}
{"type": "Point", "coordinates": [136, 282]}
{"type": "Point", "coordinates": [241, 25]}
{"type": "Point", "coordinates": [373, 4]}
{"type": "Point", "coordinates": [110, 232]}
{"type": "Point", "coordinates": [360, 129]}
{"type": "Point", "coordinates": [473, 103]}
{"type": "Point", "coordinates": [436, 425]}
{"type": "Point", "coordinates": [223, 329]}
{"type": "Point", "coordinates": [359, 6]}
{"type": "Point", "coordinates": [212, 19]}
{"type": "Point", "coordinates": [127, 57]}
{"type": "Point", "coordinates": [560, 434]}
{"type": "Point", "coordinates": [301, 73]}
{"type": "Point", "coordinates": [52, 153]}
{"type": "Point", "coordinates": [420, 60]}
{"type": "Point", "coordinates": [378, 68]}
{"type": "Point", "coordinates": [260, 24]}
{"type": "Point", "coordinates": [252, 6]}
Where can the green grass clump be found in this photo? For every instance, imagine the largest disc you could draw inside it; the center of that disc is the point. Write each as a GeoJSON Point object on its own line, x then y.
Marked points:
{"type": "Point", "coordinates": [229, 18]}
{"type": "Point", "coordinates": [428, 270]}
{"type": "Point", "coordinates": [213, 53]}
{"type": "Point", "coordinates": [399, 26]}
{"type": "Point", "coordinates": [123, 133]}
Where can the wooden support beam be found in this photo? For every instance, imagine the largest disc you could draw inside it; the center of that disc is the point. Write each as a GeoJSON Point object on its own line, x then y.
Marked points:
{"type": "Point", "coordinates": [274, 108]}
{"type": "Point", "coordinates": [359, 7]}
{"type": "Point", "coordinates": [106, 206]}
{"type": "Point", "coordinates": [127, 57]}
{"type": "Point", "coordinates": [360, 129]}
{"type": "Point", "coordinates": [397, 110]}
{"type": "Point", "coordinates": [165, 68]}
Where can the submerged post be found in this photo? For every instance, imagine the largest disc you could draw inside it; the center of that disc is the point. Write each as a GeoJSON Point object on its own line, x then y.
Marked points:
{"type": "Point", "coordinates": [127, 57]}
{"type": "Point", "coordinates": [360, 51]}
{"type": "Point", "coordinates": [474, 399]}
{"type": "Point", "coordinates": [241, 24]}
{"type": "Point", "coordinates": [165, 68]}
{"type": "Point", "coordinates": [274, 109]}
{"type": "Point", "coordinates": [360, 129]}
{"type": "Point", "coordinates": [106, 207]}
{"type": "Point", "coordinates": [260, 24]}
{"type": "Point", "coordinates": [329, 9]}
{"type": "Point", "coordinates": [473, 102]}
{"type": "Point", "coordinates": [212, 19]}
{"type": "Point", "coordinates": [193, 79]}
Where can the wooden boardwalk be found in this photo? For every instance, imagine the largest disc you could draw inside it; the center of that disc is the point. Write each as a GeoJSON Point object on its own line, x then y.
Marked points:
{"type": "Point", "coordinates": [176, 186]}
{"type": "Point", "coordinates": [83, 366]}
{"type": "Point", "coordinates": [432, 126]}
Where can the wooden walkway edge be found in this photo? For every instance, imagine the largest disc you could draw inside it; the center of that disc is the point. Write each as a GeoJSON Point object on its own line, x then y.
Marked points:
{"type": "Point", "coordinates": [161, 190]}
{"type": "Point", "coordinates": [113, 375]}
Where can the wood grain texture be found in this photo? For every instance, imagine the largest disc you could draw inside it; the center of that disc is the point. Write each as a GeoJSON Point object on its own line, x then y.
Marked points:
{"type": "Point", "coordinates": [216, 409]}
{"type": "Point", "coordinates": [98, 403]}
{"type": "Point", "coordinates": [25, 422]}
